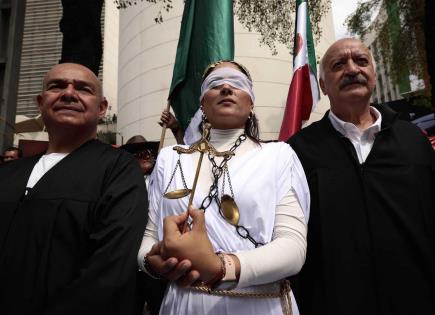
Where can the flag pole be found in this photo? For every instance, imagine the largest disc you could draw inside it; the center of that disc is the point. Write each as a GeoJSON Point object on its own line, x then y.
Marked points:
{"type": "Point", "coordinates": [303, 93]}
{"type": "Point", "coordinates": [164, 127]}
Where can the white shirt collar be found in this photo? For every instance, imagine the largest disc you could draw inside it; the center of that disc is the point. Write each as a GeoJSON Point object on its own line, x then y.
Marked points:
{"type": "Point", "coordinates": [351, 131]}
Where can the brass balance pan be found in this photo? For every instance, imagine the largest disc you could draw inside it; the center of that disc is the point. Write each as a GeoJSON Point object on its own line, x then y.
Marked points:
{"type": "Point", "coordinates": [179, 193]}
{"type": "Point", "coordinates": [230, 210]}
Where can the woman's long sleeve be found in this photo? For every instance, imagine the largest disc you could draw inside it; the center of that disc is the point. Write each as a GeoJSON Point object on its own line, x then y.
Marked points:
{"type": "Point", "coordinates": [148, 240]}
{"type": "Point", "coordinates": [284, 255]}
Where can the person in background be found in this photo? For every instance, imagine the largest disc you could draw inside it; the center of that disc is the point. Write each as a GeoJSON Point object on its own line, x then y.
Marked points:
{"type": "Point", "coordinates": [150, 291]}
{"type": "Point", "coordinates": [145, 153]}
{"type": "Point", "coordinates": [12, 153]}
{"type": "Point", "coordinates": [371, 233]}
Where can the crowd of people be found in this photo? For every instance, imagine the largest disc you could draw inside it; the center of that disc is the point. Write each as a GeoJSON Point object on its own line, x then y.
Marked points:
{"type": "Point", "coordinates": [339, 220]}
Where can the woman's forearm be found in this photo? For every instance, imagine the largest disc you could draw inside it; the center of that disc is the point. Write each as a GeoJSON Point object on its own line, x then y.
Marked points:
{"type": "Point", "coordinates": [282, 257]}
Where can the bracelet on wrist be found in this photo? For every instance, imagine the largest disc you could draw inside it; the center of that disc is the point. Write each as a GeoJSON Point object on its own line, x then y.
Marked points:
{"type": "Point", "coordinates": [229, 280]}
{"type": "Point", "coordinates": [220, 275]}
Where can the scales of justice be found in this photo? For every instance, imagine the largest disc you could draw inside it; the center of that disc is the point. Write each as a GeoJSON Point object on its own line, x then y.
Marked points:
{"type": "Point", "coordinates": [228, 206]}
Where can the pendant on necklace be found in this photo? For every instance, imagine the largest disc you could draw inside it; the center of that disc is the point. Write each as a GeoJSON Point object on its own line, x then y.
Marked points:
{"type": "Point", "coordinates": [229, 209]}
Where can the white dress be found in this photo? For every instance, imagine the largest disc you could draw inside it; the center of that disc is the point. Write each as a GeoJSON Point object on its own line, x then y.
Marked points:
{"type": "Point", "coordinates": [260, 178]}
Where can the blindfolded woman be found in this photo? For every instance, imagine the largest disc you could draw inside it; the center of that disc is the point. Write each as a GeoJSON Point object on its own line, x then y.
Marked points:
{"type": "Point", "coordinates": [231, 261]}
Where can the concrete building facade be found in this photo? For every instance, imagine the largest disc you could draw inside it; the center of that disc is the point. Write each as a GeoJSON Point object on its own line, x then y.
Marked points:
{"type": "Point", "coordinates": [11, 30]}
{"type": "Point", "coordinates": [31, 45]}
{"type": "Point", "coordinates": [41, 49]}
{"type": "Point", "coordinates": [146, 59]}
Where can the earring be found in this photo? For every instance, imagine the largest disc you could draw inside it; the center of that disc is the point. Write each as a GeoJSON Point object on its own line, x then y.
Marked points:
{"type": "Point", "coordinates": [252, 115]}
{"type": "Point", "coordinates": [204, 117]}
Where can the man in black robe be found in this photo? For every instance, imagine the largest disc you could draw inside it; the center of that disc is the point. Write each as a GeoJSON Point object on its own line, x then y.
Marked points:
{"type": "Point", "coordinates": [69, 241]}
{"type": "Point", "coordinates": [371, 232]}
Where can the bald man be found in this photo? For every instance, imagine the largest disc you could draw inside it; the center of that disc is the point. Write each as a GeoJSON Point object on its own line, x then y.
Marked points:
{"type": "Point", "coordinates": [72, 220]}
{"type": "Point", "coordinates": [371, 233]}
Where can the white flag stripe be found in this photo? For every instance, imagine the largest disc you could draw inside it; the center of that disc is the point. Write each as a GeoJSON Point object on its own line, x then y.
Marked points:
{"type": "Point", "coordinates": [301, 28]}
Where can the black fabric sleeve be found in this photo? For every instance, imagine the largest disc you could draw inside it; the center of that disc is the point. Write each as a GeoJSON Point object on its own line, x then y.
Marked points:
{"type": "Point", "coordinates": [106, 282]}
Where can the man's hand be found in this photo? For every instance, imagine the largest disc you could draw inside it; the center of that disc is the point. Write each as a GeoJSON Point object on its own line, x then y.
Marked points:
{"type": "Point", "coordinates": [194, 245]}
{"type": "Point", "coordinates": [169, 120]}
{"type": "Point", "coordinates": [171, 269]}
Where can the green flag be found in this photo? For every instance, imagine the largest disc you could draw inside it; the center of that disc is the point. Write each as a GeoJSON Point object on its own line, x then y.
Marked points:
{"type": "Point", "coordinates": [206, 36]}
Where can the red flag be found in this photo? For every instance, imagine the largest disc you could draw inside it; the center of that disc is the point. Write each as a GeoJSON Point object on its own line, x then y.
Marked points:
{"type": "Point", "coordinates": [304, 91]}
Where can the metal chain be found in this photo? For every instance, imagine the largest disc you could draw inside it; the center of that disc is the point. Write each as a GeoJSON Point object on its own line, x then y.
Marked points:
{"type": "Point", "coordinates": [229, 182]}
{"type": "Point", "coordinates": [257, 295]}
{"type": "Point", "coordinates": [283, 294]}
{"type": "Point", "coordinates": [173, 174]}
{"type": "Point", "coordinates": [224, 175]}
{"type": "Point", "coordinates": [218, 171]}
{"type": "Point", "coordinates": [181, 172]}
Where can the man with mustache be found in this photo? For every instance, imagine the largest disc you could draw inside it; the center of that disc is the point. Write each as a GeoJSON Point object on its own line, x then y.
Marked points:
{"type": "Point", "coordinates": [371, 233]}
{"type": "Point", "coordinates": [71, 220]}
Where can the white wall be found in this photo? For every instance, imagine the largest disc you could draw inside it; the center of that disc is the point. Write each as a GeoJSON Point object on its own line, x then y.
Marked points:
{"type": "Point", "coordinates": [110, 56]}
{"type": "Point", "coordinates": [146, 58]}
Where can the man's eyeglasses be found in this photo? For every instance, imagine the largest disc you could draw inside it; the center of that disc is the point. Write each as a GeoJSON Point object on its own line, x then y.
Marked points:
{"type": "Point", "coordinates": [145, 155]}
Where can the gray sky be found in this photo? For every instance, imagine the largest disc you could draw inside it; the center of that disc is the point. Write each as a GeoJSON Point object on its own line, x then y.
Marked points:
{"type": "Point", "coordinates": [341, 9]}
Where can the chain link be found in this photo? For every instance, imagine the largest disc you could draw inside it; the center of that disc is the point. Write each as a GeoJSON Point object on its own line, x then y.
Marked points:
{"type": "Point", "coordinates": [181, 171]}
{"type": "Point", "coordinates": [224, 173]}
{"type": "Point", "coordinates": [219, 171]}
{"type": "Point", "coordinates": [173, 174]}
{"type": "Point", "coordinates": [229, 182]}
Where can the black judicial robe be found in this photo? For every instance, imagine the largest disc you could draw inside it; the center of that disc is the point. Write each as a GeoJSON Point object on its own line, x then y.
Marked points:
{"type": "Point", "coordinates": [70, 245]}
{"type": "Point", "coordinates": [371, 233]}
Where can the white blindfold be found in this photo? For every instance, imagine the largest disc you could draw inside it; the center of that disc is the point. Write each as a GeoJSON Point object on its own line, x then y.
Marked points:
{"type": "Point", "coordinates": [229, 76]}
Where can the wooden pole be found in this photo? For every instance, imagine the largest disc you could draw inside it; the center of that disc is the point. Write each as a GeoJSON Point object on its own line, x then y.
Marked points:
{"type": "Point", "coordinates": [164, 127]}
{"type": "Point", "coordinates": [192, 193]}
